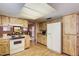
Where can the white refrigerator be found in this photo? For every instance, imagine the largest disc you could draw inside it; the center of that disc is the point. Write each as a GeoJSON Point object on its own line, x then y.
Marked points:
{"type": "Point", "coordinates": [54, 36]}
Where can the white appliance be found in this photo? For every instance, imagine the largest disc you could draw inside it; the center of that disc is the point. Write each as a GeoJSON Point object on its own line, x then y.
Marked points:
{"type": "Point", "coordinates": [16, 45]}
{"type": "Point", "coordinates": [54, 36]}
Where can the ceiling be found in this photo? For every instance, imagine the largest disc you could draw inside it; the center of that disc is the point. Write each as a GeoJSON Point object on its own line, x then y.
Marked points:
{"type": "Point", "coordinates": [14, 9]}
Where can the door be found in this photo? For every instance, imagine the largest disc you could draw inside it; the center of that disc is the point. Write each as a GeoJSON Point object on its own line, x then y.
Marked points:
{"type": "Point", "coordinates": [69, 24]}
{"type": "Point", "coordinates": [54, 36]}
{"type": "Point", "coordinates": [5, 20]}
{"type": "Point", "coordinates": [69, 44]}
{"type": "Point", "coordinates": [66, 44]}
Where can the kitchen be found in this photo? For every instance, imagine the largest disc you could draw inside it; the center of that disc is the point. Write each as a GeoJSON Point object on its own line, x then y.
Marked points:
{"type": "Point", "coordinates": [13, 35]}
{"type": "Point", "coordinates": [39, 29]}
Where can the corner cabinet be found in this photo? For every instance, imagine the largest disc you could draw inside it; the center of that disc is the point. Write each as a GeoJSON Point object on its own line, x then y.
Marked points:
{"type": "Point", "coordinates": [71, 34]}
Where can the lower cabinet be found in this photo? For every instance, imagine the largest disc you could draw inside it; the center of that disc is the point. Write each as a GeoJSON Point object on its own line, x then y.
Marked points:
{"type": "Point", "coordinates": [27, 41]}
{"type": "Point", "coordinates": [70, 44]}
{"type": "Point", "coordinates": [42, 39]}
{"type": "Point", "coordinates": [4, 49]}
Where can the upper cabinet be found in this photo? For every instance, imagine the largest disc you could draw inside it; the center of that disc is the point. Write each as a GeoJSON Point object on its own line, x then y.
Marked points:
{"type": "Point", "coordinates": [5, 20]}
{"type": "Point", "coordinates": [42, 26]}
{"type": "Point", "coordinates": [22, 22]}
{"type": "Point", "coordinates": [13, 20]}
{"type": "Point", "coordinates": [25, 23]}
{"type": "Point", "coordinates": [71, 24]}
{"type": "Point", "coordinates": [18, 22]}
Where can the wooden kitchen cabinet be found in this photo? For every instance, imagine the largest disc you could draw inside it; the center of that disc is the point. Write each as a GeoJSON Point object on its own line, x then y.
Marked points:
{"type": "Point", "coordinates": [13, 20]}
{"type": "Point", "coordinates": [27, 41]}
{"type": "Point", "coordinates": [42, 39]}
{"type": "Point", "coordinates": [21, 22]}
{"type": "Point", "coordinates": [4, 47]}
{"type": "Point", "coordinates": [71, 34]}
{"type": "Point", "coordinates": [70, 24]}
{"type": "Point", "coordinates": [42, 26]}
{"type": "Point", "coordinates": [5, 20]}
{"type": "Point", "coordinates": [25, 23]}
{"type": "Point", "coordinates": [69, 44]}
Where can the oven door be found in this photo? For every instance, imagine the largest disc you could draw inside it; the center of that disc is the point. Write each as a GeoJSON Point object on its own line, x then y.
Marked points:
{"type": "Point", "coordinates": [17, 43]}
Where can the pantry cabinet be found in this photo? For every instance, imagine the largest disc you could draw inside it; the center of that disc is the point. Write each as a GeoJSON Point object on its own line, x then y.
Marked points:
{"type": "Point", "coordinates": [70, 24]}
{"type": "Point", "coordinates": [5, 20]}
{"type": "Point", "coordinates": [71, 34]}
{"type": "Point", "coordinates": [69, 44]}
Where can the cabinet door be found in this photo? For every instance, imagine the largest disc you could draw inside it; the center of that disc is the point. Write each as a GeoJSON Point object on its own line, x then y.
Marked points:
{"type": "Point", "coordinates": [5, 20]}
{"type": "Point", "coordinates": [27, 41]}
{"type": "Point", "coordinates": [38, 38]}
{"type": "Point", "coordinates": [25, 23]}
{"type": "Point", "coordinates": [45, 40]}
{"type": "Point", "coordinates": [69, 24]}
{"type": "Point", "coordinates": [66, 44]}
{"type": "Point", "coordinates": [13, 20]}
{"type": "Point", "coordinates": [69, 44]}
{"type": "Point", "coordinates": [72, 48]}
{"type": "Point", "coordinates": [19, 22]}
{"type": "Point", "coordinates": [2, 49]}
{"type": "Point", "coordinates": [77, 46]}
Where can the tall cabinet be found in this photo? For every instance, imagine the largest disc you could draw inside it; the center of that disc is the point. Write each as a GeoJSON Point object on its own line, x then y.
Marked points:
{"type": "Point", "coordinates": [71, 34]}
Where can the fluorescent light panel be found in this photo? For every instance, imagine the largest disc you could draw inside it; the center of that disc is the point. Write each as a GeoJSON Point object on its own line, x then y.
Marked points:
{"type": "Point", "coordinates": [28, 16]}
{"type": "Point", "coordinates": [42, 8]}
{"type": "Point", "coordinates": [36, 10]}
{"type": "Point", "coordinates": [30, 13]}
